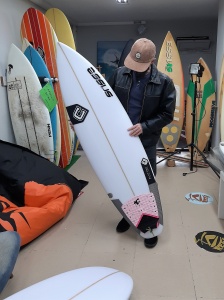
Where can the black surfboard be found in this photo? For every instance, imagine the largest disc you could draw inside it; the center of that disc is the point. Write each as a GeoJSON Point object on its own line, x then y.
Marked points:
{"type": "Point", "coordinates": [125, 52]}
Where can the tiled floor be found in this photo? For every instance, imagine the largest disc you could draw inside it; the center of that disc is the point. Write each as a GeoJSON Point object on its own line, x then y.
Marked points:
{"type": "Point", "coordinates": [175, 269]}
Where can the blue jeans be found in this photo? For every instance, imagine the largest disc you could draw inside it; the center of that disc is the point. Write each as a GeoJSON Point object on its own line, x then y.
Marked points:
{"type": "Point", "coordinates": [9, 250]}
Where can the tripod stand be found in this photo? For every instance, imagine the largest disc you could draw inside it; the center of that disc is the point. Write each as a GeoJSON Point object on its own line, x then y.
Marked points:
{"type": "Point", "coordinates": [192, 145]}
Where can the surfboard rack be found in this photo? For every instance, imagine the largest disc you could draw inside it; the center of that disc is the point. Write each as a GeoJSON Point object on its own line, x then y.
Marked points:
{"type": "Point", "coordinates": [54, 79]}
{"type": "Point", "coordinates": [3, 81]}
{"type": "Point", "coordinates": [46, 80]}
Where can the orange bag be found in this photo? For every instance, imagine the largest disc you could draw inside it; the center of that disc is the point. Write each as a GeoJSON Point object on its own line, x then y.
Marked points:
{"type": "Point", "coordinates": [44, 206]}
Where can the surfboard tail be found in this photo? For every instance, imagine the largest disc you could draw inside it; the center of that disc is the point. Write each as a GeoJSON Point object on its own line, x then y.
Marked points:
{"type": "Point", "coordinates": [143, 212]}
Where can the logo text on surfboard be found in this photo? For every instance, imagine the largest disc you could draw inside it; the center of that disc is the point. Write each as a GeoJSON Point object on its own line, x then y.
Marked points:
{"type": "Point", "coordinates": [15, 85]}
{"type": "Point", "coordinates": [147, 170]}
{"type": "Point", "coordinates": [169, 64]}
{"type": "Point", "coordinates": [212, 116]}
{"type": "Point", "coordinates": [100, 81]}
{"type": "Point", "coordinates": [49, 130]}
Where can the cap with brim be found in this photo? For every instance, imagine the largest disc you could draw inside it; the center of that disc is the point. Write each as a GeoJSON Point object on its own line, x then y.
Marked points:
{"type": "Point", "coordinates": [141, 55]}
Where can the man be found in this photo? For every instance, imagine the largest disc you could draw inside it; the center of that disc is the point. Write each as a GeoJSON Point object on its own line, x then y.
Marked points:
{"type": "Point", "coordinates": [149, 98]}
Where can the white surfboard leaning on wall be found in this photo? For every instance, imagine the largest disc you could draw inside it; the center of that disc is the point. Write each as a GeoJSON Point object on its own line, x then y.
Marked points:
{"type": "Point", "coordinates": [30, 117]}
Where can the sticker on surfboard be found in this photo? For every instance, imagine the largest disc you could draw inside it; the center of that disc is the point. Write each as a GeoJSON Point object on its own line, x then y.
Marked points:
{"type": "Point", "coordinates": [211, 241]}
{"type": "Point", "coordinates": [199, 198]}
{"type": "Point", "coordinates": [48, 96]}
{"type": "Point", "coordinates": [148, 171]}
{"type": "Point", "coordinates": [77, 113]}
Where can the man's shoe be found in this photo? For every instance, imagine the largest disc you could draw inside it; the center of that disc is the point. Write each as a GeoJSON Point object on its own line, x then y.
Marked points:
{"type": "Point", "coordinates": [150, 243]}
{"type": "Point", "coordinates": [122, 226]}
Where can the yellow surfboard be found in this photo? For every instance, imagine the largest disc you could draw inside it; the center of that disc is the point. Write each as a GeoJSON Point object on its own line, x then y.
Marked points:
{"type": "Point", "coordinates": [169, 63]}
{"type": "Point", "coordinates": [64, 34]}
{"type": "Point", "coordinates": [61, 26]}
{"type": "Point", "coordinates": [204, 110]}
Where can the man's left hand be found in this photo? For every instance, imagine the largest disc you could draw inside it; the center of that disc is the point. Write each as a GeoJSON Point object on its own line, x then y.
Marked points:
{"type": "Point", "coordinates": [135, 130]}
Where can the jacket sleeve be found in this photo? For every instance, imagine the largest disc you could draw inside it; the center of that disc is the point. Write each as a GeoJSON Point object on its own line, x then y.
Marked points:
{"type": "Point", "coordinates": [165, 112]}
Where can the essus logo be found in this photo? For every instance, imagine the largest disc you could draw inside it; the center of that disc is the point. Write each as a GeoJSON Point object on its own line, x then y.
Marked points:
{"type": "Point", "coordinates": [169, 57]}
{"type": "Point", "coordinates": [100, 81]}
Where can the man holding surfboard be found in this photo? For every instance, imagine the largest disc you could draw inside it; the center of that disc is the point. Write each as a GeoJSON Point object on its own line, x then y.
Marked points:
{"type": "Point", "coordinates": [149, 98]}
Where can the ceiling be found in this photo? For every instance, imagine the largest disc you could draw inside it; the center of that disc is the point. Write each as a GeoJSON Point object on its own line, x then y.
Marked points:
{"type": "Point", "coordinates": [109, 12]}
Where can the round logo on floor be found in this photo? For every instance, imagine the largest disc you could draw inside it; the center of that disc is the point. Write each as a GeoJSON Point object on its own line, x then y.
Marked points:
{"type": "Point", "coordinates": [199, 198]}
{"type": "Point", "coordinates": [211, 241]}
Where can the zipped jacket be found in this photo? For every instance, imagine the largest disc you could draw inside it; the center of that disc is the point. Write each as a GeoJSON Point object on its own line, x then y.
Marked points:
{"type": "Point", "coordinates": [158, 103]}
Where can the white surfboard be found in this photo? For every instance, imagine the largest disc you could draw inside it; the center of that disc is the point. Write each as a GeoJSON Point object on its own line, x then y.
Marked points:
{"type": "Point", "coordinates": [101, 125]}
{"type": "Point", "coordinates": [89, 283]}
{"type": "Point", "coordinates": [41, 70]}
{"type": "Point", "coordinates": [30, 117]}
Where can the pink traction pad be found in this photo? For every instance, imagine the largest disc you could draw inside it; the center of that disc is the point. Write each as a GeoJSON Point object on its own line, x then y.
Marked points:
{"type": "Point", "coordinates": [139, 206]}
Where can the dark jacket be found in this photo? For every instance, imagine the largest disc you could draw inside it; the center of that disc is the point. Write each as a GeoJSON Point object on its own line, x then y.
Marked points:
{"type": "Point", "coordinates": [158, 103]}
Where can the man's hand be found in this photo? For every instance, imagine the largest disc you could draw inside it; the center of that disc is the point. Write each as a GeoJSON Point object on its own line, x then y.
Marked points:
{"type": "Point", "coordinates": [135, 130]}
